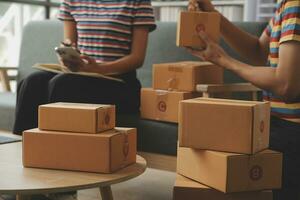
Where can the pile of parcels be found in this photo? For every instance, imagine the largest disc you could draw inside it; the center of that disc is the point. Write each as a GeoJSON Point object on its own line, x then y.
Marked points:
{"type": "Point", "coordinates": [176, 81]}
{"type": "Point", "coordinates": [223, 145]}
{"type": "Point", "coordinates": [79, 137]}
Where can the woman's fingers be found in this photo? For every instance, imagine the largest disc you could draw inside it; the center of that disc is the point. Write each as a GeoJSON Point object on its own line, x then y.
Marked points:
{"type": "Point", "coordinates": [198, 53]}
{"type": "Point", "coordinates": [89, 59]}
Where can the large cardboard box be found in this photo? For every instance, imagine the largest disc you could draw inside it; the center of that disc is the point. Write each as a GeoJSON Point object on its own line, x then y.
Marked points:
{"type": "Point", "coordinates": [76, 117]}
{"type": "Point", "coordinates": [162, 105]}
{"type": "Point", "coordinates": [102, 153]}
{"type": "Point", "coordinates": [187, 189]}
{"type": "Point", "coordinates": [190, 23]}
{"type": "Point", "coordinates": [224, 125]}
{"type": "Point", "coordinates": [229, 172]}
{"type": "Point", "coordinates": [184, 76]}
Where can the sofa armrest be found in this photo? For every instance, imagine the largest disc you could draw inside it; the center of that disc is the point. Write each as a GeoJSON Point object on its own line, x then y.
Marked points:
{"type": "Point", "coordinates": [209, 90]}
{"type": "Point", "coordinates": [4, 78]}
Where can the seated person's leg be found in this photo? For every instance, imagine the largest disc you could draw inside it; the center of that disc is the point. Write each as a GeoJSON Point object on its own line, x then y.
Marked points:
{"type": "Point", "coordinates": [81, 89]}
{"type": "Point", "coordinates": [31, 92]}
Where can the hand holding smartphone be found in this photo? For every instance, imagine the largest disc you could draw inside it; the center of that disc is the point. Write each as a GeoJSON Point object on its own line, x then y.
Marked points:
{"type": "Point", "coordinates": [70, 55]}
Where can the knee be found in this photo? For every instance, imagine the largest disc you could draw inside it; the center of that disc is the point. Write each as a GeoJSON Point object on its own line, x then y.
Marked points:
{"type": "Point", "coordinates": [60, 80]}
{"type": "Point", "coordinates": [33, 80]}
{"type": "Point", "coordinates": [58, 86]}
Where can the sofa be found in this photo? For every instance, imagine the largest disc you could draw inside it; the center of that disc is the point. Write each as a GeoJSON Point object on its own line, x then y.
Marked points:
{"type": "Point", "coordinates": [37, 46]}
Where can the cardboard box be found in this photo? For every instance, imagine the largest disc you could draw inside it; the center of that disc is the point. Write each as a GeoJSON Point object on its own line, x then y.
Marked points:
{"type": "Point", "coordinates": [162, 105]}
{"type": "Point", "coordinates": [229, 172]}
{"type": "Point", "coordinates": [184, 76]}
{"type": "Point", "coordinates": [76, 117]}
{"type": "Point", "coordinates": [102, 153]}
{"type": "Point", "coordinates": [190, 23]}
{"type": "Point", "coordinates": [224, 125]}
{"type": "Point", "coordinates": [187, 189]}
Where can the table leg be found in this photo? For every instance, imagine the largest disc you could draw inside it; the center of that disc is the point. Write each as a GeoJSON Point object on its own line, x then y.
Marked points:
{"type": "Point", "coordinates": [106, 193]}
{"type": "Point", "coordinates": [23, 197]}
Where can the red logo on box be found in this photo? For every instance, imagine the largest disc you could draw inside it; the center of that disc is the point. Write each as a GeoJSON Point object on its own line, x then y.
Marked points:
{"type": "Point", "coordinates": [256, 173]}
{"type": "Point", "coordinates": [162, 106]}
{"type": "Point", "coordinates": [262, 126]}
{"type": "Point", "coordinates": [200, 27]}
{"type": "Point", "coordinates": [107, 119]}
{"type": "Point", "coordinates": [126, 146]}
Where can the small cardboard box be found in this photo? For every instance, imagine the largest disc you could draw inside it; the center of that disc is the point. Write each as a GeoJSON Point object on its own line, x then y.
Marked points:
{"type": "Point", "coordinates": [187, 189]}
{"type": "Point", "coordinates": [224, 125]}
{"type": "Point", "coordinates": [76, 117]}
{"type": "Point", "coordinates": [229, 172]}
{"type": "Point", "coordinates": [190, 23]}
{"type": "Point", "coordinates": [102, 153]}
{"type": "Point", "coordinates": [184, 76]}
{"type": "Point", "coordinates": [162, 105]}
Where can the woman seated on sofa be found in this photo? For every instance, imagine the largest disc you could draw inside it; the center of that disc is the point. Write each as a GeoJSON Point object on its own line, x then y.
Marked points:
{"type": "Point", "coordinates": [280, 46]}
{"type": "Point", "coordinates": [112, 38]}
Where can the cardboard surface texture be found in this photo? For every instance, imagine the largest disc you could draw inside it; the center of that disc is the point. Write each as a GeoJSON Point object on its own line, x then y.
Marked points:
{"type": "Point", "coordinates": [76, 117]}
{"type": "Point", "coordinates": [229, 172]}
{"type": "Point", "coordinates": [184, 76]}
{"type": "Point", "coordinates": [190, 23]}
{"type": "Point", "coordinates": [187, 189]}
{"type": "Point", "coordinates": [224, 125]}
{"type": "Point", "coordinates": [162, 105]}
{"type": "Point", "coordinates": [102, 153]}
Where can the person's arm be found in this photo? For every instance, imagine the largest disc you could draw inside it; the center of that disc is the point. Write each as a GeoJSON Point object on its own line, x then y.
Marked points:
{"type": "Point", "coordinates": [283, 80]}
{"type": "Point", "coordinates": [130, 62]}
{"type": "Point", "coordinates": [70, 32]}
{"type": "Point", "coordinates": [254, 49]}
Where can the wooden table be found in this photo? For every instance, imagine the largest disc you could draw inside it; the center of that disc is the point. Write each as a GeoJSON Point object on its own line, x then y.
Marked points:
{"type": "Point", "coordinates": [23, 182]}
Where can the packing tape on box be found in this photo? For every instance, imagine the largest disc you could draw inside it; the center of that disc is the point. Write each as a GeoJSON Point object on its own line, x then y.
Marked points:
{"type": "Point", "coordinates": [173, 82]}
{"type": "Point", "coordinates": [126, 145]}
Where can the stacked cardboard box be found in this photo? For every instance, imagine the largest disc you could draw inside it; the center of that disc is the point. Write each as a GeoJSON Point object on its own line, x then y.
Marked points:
{"type": "Point", "coordinates": [223, 145]}
{"type": "Point", "coordinates": [191, 22]}
{"type": "Point", "coordinates": [80, 137]}
{"type": "Point", "coordinates": [173, 82]}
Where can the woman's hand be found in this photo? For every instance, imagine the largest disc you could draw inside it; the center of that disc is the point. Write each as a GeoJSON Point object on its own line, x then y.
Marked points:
{"type": "Point", "coordinates": [212, 52]}
{"type": "Point", "coordinates": [89, 64]}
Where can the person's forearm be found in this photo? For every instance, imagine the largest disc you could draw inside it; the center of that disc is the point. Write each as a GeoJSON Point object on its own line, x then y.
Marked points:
{"type": "Point", "coordinates": [264, 77]}
{"type": "Point", "coordinates": [123, 65]}
{"type": "Point", "coordinates": [246, 45]}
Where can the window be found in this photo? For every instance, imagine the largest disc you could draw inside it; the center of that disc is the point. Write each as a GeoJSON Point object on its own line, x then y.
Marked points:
{"type": "Point", "coordinates": [13, 16]}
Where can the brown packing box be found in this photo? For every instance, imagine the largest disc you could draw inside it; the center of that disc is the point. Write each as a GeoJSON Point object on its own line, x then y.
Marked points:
{"type": "Point", "coordinates": [184, 76]}
{"type": "Point", "coordinates": [162, 105]}
{"type": "Point", "coordinates": [190, 23]}
{"type": "Point", "coordinates": [102, 153]}
{"type": "Point", "coordinates": [224, 125]}
{"type": "Point", "coordinates": [76, 117]}
{"type": "Point", "coordinates": [229, 172]}
{"type": "Point", "coordinates": [187, 189]}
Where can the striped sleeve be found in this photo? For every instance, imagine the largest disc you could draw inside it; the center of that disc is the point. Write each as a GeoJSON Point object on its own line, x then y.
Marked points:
{"type": "Point", "coordinates": [65, 11]}
{"type": "Point", "coordinates": [290, 28]}
{"type": "Point", "coordinates": [143, 14]}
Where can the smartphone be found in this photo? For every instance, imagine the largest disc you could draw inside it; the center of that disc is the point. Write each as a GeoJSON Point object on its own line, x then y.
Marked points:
{"type": "Point", "coordinates": [68, 53]}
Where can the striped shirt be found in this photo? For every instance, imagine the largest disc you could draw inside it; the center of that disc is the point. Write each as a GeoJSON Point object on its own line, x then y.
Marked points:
{"type": "Point", "coordinates": [105, 27]}
{"type": "Point", "coordinates": [283, 27]}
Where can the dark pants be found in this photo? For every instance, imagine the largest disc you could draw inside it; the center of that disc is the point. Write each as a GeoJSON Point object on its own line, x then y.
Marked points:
{"type": "Point", "coordinates": [46, 87]}
{"type": "Point", "coordinates": [285, 137]}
